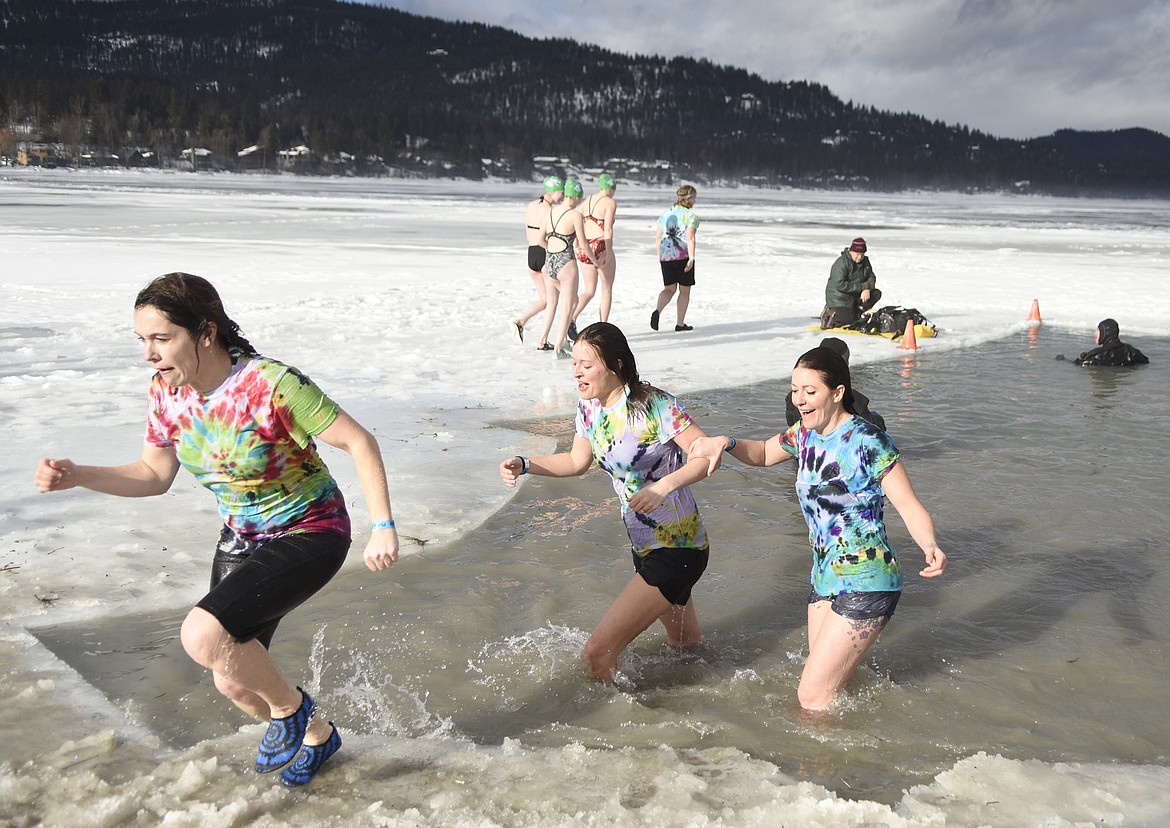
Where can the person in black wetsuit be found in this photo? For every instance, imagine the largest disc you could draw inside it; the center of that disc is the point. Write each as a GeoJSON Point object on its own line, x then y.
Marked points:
{"type": "Point", "coordinates": [860, 401]}
{"type": "Point", "coordinates": [1110, 349]}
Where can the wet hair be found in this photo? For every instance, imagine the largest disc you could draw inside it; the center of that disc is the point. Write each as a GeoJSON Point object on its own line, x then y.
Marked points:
{"type": "Point", "coordinates": [611, 345]}
{"type": "Point", "coordinates": [833, 369]}
{"type": "Point", "coordinates": [686, 191]}
{"type": "Point", "coordinates": [837, 345]}
{"type": "Point", "coordinates": [191, 302]}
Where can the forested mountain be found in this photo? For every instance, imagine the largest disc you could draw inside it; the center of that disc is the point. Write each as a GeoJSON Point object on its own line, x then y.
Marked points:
{"type": "Point", "coordinates": [369, 86]}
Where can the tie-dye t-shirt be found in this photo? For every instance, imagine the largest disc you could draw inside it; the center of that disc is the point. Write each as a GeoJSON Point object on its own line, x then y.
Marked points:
{"type": "Point", "coordinates": [674, 224]}
{"type": "Point", "coordinates": [838, 482]}
{"type": "Point", "coordinates": [637, 450]}
{"type": "Point", "coordinates": [250, 442]}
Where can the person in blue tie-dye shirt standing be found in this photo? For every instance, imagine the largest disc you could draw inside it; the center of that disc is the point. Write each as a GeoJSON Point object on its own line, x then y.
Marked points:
{"type": "Point", "coordinates": [676, 239]}
{"type": "Point", "coordinates": [639, 436]}
{"type": "Point", "coordinates": [846, 466]}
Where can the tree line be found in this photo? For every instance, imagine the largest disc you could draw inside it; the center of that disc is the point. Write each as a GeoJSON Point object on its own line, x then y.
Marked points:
{"type": "Point", "coordinates": [381, 87]}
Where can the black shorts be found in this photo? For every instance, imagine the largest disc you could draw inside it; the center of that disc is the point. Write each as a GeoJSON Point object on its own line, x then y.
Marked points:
{"type": "Point", "coordinates": [676, 273]}
{"type": "Point", "coordinates": [250, 593]}
{"type": "Point", "coordinates": [674, 571]}
{"type": "Point", "coordinates": [536, 257]}
{"type": "Point", "coordinates": [860, 606]}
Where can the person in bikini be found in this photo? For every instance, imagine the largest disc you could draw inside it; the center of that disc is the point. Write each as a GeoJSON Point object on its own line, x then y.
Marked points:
{"type": "Point", "coordinates": [535, 218]}
{"type": "Point", "coordinates": [599, 212]}
{"type": "Point", "coordinates": [564, 225]}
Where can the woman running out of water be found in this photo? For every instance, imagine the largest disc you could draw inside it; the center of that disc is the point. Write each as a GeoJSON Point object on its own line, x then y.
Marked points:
{"type": "Point", "coordinates": [846, 466]}
{"type": "Point", "coordinates": [245, 425]}
{"type": "Point", "coordinates": [639, 436]}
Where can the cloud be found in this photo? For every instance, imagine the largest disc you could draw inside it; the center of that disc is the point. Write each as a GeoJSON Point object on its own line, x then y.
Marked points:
{"type": "Point", "coordinates": [1014, 68]}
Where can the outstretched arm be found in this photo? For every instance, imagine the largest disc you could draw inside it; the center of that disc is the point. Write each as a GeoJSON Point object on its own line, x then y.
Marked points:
{"type": "Point", "coordinates": [570, 463]}
{"type": "Point", "coordinates": [752, 452]}
{"type": "Point", "coordinates": [348, 435]}
{"type": "Point", "coordinates": [152, 474]}
{"type": "Point", "coordinates": [898, 489]}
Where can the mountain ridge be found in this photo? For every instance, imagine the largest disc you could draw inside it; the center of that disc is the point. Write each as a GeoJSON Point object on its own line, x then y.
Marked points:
{"type": "Point", "coordinates": [434, 97]}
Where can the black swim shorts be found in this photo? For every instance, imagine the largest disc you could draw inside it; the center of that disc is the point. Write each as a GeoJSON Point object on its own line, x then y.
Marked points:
{"type": "Point", "coordinates": [250, 593]}
{"type": "Point", "coordinates": [536, 257]}
{"type": "Point", "coordinates": [860, 606]}
{"type": "Point", "coordinates": [674, 571]}
{"type": "Point", "coordinates": [676, 273]}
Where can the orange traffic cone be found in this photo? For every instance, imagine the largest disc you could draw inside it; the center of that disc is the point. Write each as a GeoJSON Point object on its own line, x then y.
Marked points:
{"type": "Point", "coordinates": [909, 340]}
{"type": "Point", "coordinates": [1034, 314]}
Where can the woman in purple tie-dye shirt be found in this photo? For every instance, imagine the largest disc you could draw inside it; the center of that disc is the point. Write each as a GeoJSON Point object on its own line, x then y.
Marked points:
{"type": "Point", "coordinates": [639, 436]}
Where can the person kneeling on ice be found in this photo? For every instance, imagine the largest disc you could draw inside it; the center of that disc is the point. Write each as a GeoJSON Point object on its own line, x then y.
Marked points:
{"type": "Point", "coordinates": [860, 401]}
{"type": "Point", "coordinates": [845, 468]}
{"type": "Point", "coordinates": [244, 425]}
{"type": "Point", "coordinates": [639, 436]}
{"type": "Point", "coordinates": [1110, 350]}
{"type": "Point", "coordinates": [851, 287]}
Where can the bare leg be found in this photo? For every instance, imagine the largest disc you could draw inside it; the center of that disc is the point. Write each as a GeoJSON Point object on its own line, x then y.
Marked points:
{"type": "Point", "coordinates": [606, 276]}
{"type": "Point", "coordinates": [837, 646]}
{"type": "Point", "coordinates": [638, 606]}
{"type": "Point", "coordinates": [682, 625]}
{"type": "Point", "coordinates": [567, 280]}
{"type": "Point", "coordinates": [541, 301]}
{"type": "Point", "coordinates": [244, 672]}
{"type": "Point", "coordinates": [684, 301]}
{"type": "Point", "coordinates": [552, 292]}
{"type": "Point", "coordinates": [589, 281]}
{"type": "Point", "coordinates": [665, 296]}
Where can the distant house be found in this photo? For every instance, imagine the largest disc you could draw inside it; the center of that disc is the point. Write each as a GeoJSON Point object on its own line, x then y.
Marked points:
{"type": "Point", "coordinates": [37, 155]}
{"type": "Point", "coordinates": [199, 158]}
{"type": "Point", "coordinates": [299, 158]}
{"type": "Point", "coordinates": [139, 157]}
{"type": "Point", "coordinates": [252, 158]}
{"type": "Point", "coordinates": [99, 158]}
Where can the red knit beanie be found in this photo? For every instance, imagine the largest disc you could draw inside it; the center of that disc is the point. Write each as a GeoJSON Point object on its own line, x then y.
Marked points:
{"type": "Point", "coordinates": [858, 245]}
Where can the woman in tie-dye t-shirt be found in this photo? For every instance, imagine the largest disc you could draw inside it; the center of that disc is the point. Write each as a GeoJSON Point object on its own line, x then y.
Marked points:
{"type": "Point", "coordinates": [846, 466]}
{"type": "Point", "coordinates": [639, 436]}
{"type": "Point", "coordinates": [244, 426]}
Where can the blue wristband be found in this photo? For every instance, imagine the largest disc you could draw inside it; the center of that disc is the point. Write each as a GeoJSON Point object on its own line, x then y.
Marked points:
{"type": "Point", "coordinates": [730, 444]}
{"type": "Point", "coordinates": [523, 464]}
{"type": "Point", "coordinates": [382, 524]}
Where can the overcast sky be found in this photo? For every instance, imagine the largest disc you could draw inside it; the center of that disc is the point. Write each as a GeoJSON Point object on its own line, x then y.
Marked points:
{"type": "Point", "coordinates": [1012, 68]}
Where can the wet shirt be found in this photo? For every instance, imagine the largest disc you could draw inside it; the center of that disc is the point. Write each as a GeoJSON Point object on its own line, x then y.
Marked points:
{"type": "Point", "coordinates": [250, 442]}
{"type": "Point", "coordinates": [674, 224]}
{"type": "Point", "coordinates": [838, 482]}
{"type": "Point", "coordinates": [635, 450]}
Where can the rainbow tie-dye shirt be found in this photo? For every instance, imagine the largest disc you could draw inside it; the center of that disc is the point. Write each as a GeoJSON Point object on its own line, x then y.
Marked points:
{"type": "Point", "coordinates": [636, 450]}
{"type": "Point", "coordinates": [250, 442]}
{"type": "Point", "coordinates": [838, 482]}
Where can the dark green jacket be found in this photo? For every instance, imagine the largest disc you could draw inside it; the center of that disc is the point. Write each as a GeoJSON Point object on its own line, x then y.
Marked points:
{"type": "Point", "coordinates": [847, 279]}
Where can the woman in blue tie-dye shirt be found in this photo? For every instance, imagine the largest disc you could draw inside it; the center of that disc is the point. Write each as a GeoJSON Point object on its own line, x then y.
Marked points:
{"type": "Point", "coordinates": [639, 436]}
{"type": "Point", "coordinates": [846, 466]}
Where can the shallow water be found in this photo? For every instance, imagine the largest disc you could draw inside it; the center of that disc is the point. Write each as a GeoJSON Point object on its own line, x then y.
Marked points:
{"type": "Point", "coordinates": [1045, 640]}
